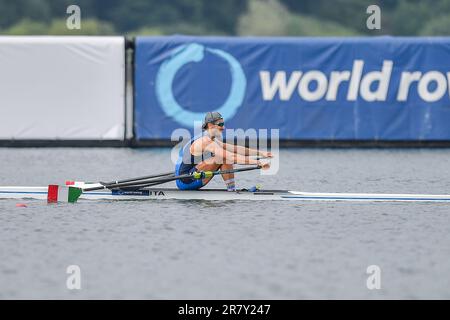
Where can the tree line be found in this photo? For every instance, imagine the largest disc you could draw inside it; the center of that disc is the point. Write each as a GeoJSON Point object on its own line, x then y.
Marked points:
{"type": "Point", "coordinates": [226, 17]}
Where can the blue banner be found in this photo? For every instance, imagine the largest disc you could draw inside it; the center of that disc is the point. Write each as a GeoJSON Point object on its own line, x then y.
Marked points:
{"type": "Point", "coordinates": [380, 88]}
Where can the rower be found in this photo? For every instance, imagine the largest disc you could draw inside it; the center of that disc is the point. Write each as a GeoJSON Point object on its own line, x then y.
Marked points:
{"type": "Point", "coordinates": [207, 152]}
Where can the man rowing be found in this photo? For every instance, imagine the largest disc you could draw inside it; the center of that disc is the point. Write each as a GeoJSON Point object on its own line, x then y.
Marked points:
{"type": "Point", "coordinates": [207, 152]}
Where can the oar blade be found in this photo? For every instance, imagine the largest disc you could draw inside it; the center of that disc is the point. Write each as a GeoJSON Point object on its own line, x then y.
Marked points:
{"type": "Point", "coordinates": [57, 193]}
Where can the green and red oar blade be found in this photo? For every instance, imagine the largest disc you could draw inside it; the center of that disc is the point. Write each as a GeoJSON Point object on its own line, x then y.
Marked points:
{"type": "Point", "coordinates": [57, 193]}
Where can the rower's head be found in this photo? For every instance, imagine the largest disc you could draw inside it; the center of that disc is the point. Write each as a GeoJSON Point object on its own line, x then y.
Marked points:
{"type": "Point", "coordinates": [213, 123]}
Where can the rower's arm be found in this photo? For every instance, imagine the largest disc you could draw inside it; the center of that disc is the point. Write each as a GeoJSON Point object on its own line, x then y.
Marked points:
{"type": "Point", "coordinates": [222, 155]}
{"type": "Point", "coordinates": [239, 149]}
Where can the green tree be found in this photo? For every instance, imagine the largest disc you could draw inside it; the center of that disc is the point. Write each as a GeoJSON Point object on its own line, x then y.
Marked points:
{"type": "Point", "coordinates": [271, 18]}
{"type": "Point", "coordinates": [225, 16]}
{"type": "Point", "coordinates": [263, 18]}
{"type": "Point", "coordinates": [27, 27]}
{"type": "Point", "coordinates": [58, 27]}
{"type": "Point", "coordinates": [301, 25]}
{"type": "Point", "coordinates": [189, 29]}
{"type": "Point", "coordinates": [89, 27]}
{"type": "Point", "coordinates": [410, 16]}
{"type": "Point", "coordinates": [439, 26]}
{"type": "Point", "coordinates": [132, 15]}
{"type": "Point", "coordinates": [288, 17]}
{"type": "Point", "coordinates": [11, 12]}
{"type": "Point", "coordinates": [350, 14]}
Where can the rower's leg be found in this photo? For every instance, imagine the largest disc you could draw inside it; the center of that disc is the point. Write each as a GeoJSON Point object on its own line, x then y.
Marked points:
{"type": "Point", "coordinates": [210, 165]}
{"type": "Point", "coordinates": [207, 165]}
{"type": "Point", "coordinates": [228, 178]}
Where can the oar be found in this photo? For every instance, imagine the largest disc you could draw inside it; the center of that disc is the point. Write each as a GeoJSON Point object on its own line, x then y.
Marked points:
{"type": "Point", "coordinates": [58, 193]}
{"type": "Point", "coordinates": [195, 175]}
{"type": "Point", "coordinates": [111, 183]}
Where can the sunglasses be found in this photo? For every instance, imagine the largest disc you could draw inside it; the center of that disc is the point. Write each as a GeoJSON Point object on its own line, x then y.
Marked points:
{"type": "Point", "coordinates": [220, 124]}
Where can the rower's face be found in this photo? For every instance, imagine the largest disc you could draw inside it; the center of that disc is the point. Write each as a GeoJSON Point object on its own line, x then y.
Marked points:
{"type": "Point", "coordinates": [217, 127]}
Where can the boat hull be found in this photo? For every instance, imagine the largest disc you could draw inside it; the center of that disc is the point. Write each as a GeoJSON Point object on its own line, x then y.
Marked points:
{"type": "Point", "coordinates": [219, 194]}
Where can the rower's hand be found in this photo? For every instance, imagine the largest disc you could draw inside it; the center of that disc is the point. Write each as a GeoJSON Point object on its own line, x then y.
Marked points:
{"type": "Point", "coordinates": [264, 165]}
{"type": "Point", "coordinates": [266, 154]}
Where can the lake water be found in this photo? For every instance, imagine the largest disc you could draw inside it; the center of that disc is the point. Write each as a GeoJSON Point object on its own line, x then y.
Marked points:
{"type": "Point", "coordinates": [229, 250]}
